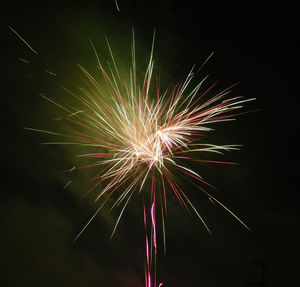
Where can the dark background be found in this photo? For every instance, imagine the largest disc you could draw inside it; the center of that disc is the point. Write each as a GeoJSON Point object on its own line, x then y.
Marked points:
{"type": "Point", "coordinates": [254, 44]}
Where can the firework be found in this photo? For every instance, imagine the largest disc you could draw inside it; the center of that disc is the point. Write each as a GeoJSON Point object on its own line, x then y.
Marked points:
{"type": "Point", "coordinates": [139, 136]}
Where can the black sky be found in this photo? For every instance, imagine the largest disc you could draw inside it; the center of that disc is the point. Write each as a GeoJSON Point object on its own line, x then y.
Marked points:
{"type": "Point", "coordinates": [254, 44]}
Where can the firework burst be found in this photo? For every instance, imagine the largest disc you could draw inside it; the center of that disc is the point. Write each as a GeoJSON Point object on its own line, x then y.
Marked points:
{"type": "Point", "coordinates": [139, 135]}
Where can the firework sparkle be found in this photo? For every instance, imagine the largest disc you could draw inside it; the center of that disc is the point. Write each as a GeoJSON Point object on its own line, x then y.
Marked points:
{"type": "Point", "coordinates": [138, 136]}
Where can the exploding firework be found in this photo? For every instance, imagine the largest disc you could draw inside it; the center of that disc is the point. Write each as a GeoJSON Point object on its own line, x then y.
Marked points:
{"type": "Point", "coordinates": [139, 137]}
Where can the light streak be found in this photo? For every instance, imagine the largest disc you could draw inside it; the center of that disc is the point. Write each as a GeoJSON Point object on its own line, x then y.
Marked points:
{"type": "Point", "coordinates": [26, 43]}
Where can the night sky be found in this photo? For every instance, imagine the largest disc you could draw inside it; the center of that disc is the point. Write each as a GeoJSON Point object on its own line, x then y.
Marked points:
{"type": "Point", "coordinates": [253, 44]}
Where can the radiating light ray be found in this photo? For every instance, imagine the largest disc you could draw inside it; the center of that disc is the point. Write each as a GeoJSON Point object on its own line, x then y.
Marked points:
{"type": "Point", "coordinates": [50, 73]}
{"type": "Point", "coordinates": [26, 43]}
{"type": "Point", "coordinates": [117, 5]}
{"type": "Point", "coordinates": [24, 61]}
{"type": "Point", "coordinates": [67, 184]}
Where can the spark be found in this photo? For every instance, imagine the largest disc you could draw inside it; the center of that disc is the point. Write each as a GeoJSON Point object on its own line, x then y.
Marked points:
{"type": "Point", "coordinates": [24, 61]}
{"type": "Point", "coordinates": [67, 184]}
{"type": "Point", "coordinates": [26, 43]}
{"type": "Point", "coordinates": [117, 5]}
{"type": "Point", "coordinates": [50, 73]}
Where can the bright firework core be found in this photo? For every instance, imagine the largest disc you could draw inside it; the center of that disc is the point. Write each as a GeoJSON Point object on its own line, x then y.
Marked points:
{"type": "Point", "coordinates": [153, 149]}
